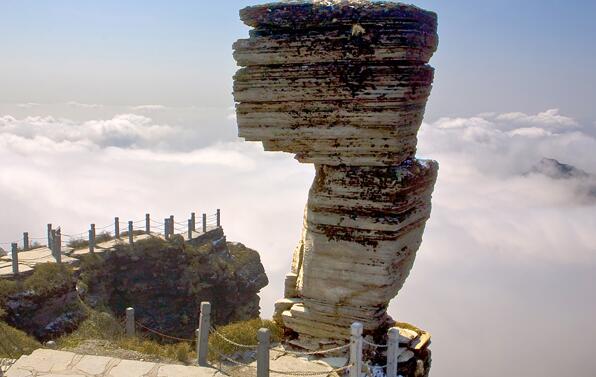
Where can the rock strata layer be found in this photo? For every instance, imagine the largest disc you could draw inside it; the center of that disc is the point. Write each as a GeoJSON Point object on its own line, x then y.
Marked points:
{"type": "Point", "coordinates": [343, 85]}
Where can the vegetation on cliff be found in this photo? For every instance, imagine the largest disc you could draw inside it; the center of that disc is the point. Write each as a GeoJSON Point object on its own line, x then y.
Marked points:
{"type": "Point", "coordinates": [82, 309]}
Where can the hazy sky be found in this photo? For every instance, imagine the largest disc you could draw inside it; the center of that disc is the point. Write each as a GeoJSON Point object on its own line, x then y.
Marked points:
{"type": "Point", "coordinates": [501, 56]}
{"type": "Point", "coordinates": [118, 108]}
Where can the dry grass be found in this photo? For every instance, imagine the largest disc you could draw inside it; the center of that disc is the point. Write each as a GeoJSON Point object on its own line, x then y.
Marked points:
{"type": "Point", "coordinates": [48, 277]}
{"type": "Point", "coordinates": [15, 343]}
{"type": "Point", "coordinates": [103, 326]}
{"type": "Point", "coordinates": [244, 332]}
{"type": "Point", "coordinates": [81, 243]}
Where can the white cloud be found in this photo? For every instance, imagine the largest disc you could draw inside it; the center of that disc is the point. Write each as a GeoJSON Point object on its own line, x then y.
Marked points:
{"type": "Point", "coordinates": [482, 189]}
{"type": "Point", "coordinates": [148, 107]}
{"type": "Point", "coordinates": [501, 247]}
{"type": "Point", "coordinates": [28, 105]}
{"type": "Point", "coordinates": [549, 119]}
{"type": "Point", "coordinates": [84, 105]}
{"type": "Point", "coordinates": [495, 146]}
{"type": "Point", "coordinates": [124, 130]}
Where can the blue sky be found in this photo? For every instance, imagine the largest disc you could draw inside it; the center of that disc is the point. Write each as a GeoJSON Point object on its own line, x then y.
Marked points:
{"type": "Point", "coordinates": [119, 108]}
{"type": "Point", "coordinates": [493, 55]}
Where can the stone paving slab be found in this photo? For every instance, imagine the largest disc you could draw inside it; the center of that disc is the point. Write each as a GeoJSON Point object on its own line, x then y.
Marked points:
{"type": "Point", "coordinates": [104, 246]}
{"type": "Point", "coordinates": [28, 259]}
{"type": "Point", "coordinates": [287, 363]}
{"type": "Point", "coordinates": [51, 363]}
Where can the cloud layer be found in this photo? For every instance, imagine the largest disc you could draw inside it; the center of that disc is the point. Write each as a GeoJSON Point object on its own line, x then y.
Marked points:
{"type": "Point", "coordinates": [506, 243]}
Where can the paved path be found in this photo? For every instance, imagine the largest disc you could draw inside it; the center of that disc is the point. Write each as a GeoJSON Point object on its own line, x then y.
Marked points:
{"type": "Point", "coordinates": [28, 259]}
{"type": "Point", "coordinates": [50, 363]}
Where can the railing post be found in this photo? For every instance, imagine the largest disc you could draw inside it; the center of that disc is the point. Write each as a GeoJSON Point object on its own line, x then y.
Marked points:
{"type": "Point", "coordinates": [92, 238]}
{"type": "Point", "coordinates": [147, 223]}
{"type": "Point", "coordinates": [190, 229]}
{"type": "Point", "coordinates": [166, 228]}
{"type": "Point", "coordinates": [204, 223]}
{"type": "Point", "coordinates": [117, 227]}
{"type": "Point", "coordinates": [264, 338]}
{"type": "Point", "coordinates": [130, 233]}
{"type": "Point", "coordinates": [218, 218]}
{"type": "Point", "coordinates": [356, 349]}
{"type": "Point", "coordinates": [91, 241]}
{"type": "Point", "coordinates": [50, 236]}
{"type": "Point", "coordinates": [193, 218]}
{"type": "Point", "coordinates": [392, 349]}
{"type": "Point", "coordinates": [203, 334]}
{"type": "Point", "coordinates": [15, 258]}
{"type": "Point", "coordinates": [52, 243]}
{"type": "Point", "coordinates": [130, 322]}
{"type": "Point", "coordinates": [58, 246]}
{"type": "Point", "coordinates": [172, 227]}
{"type": "Point", "coordinates": [26, 241]}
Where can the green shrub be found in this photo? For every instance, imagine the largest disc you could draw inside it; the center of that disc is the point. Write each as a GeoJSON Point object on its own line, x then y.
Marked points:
{"type": "Point", "coordinates": [7, 288]}
{"type": "Point", "coordinates": [244, 332]}
{"type": "Point", "coordinates": [81, 243]}
{"type": "Point", "coordinates": [103, 237]}
{"type": "Point", "coordinates": [134, 233]}
{"type": "Point", "coordinates": [47, 277]}
{"type": "Point", "coordinates": [15, 343]}
{"type": "Point", "coordinates": [78, 244]}
{"type": "Point", "coordinates": [98, 325]}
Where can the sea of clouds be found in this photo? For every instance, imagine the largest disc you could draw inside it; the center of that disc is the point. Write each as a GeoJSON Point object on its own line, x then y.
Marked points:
{"type": "Point", "coordinates": [505, 276]}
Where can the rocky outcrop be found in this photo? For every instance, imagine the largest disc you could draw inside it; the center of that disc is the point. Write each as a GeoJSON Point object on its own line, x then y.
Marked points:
{"type": "Point", "coordinates": [343, 85]}
{"type": "Point", "coordinates": [44, 305]}
{"type": "Point", "coordinates": [166, 281]}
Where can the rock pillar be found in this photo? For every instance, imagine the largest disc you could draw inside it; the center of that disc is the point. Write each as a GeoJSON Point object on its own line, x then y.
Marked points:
{"type": "Point", "coordinates": [343, 85]}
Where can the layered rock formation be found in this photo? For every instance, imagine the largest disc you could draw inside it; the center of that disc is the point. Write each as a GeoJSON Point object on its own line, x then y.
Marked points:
{"type": "Point", "coordinates": [343, 85]}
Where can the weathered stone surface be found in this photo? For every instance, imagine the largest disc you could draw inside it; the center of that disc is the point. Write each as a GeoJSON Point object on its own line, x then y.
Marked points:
{"type": "Point", "coordinates": [335, 82]}
{"type": "Point", "coordinates": [52, 363]}
{"type": "Point", "coordinates": [166, 282]}
{"type": "Point", "coordinates": [343, 84]}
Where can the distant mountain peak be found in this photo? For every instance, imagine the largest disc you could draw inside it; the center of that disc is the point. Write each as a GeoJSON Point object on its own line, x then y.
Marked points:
{"type": "Point", "coordinates": [557, 170]}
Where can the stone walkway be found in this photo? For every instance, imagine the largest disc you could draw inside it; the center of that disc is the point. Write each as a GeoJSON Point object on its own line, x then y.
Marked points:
{"type": "Point", "coordinates": [28, 259]}
{"type": "Point", "coordinates": [50, 363]}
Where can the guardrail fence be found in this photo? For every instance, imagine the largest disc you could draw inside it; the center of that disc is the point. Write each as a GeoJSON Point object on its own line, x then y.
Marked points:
{"type": "Point", "coordinates": [58, 241]}
{"type": "Point", "coordinates": [263, 348]}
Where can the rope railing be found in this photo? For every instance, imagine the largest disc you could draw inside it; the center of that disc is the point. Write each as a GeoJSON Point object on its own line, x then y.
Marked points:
{"type": "Point", "coordinates": [105, 227]}
{"type": "Point", "coordinates": [311, 353]}
{"type": "Point", "coordinates": [356, 364]}
{"type": "Point", "coordinates": [165, 336]}
{"type": "Point", "coordinates": [230, 360]}
{"type": "Point", "coordinates": [321, 373]}
{"type": "Point", "coordinates": [375, 345]}
{"type": "Point", "coordinates": [220, 335]}
{"type": "Point", "coordinates": [92, 238]}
